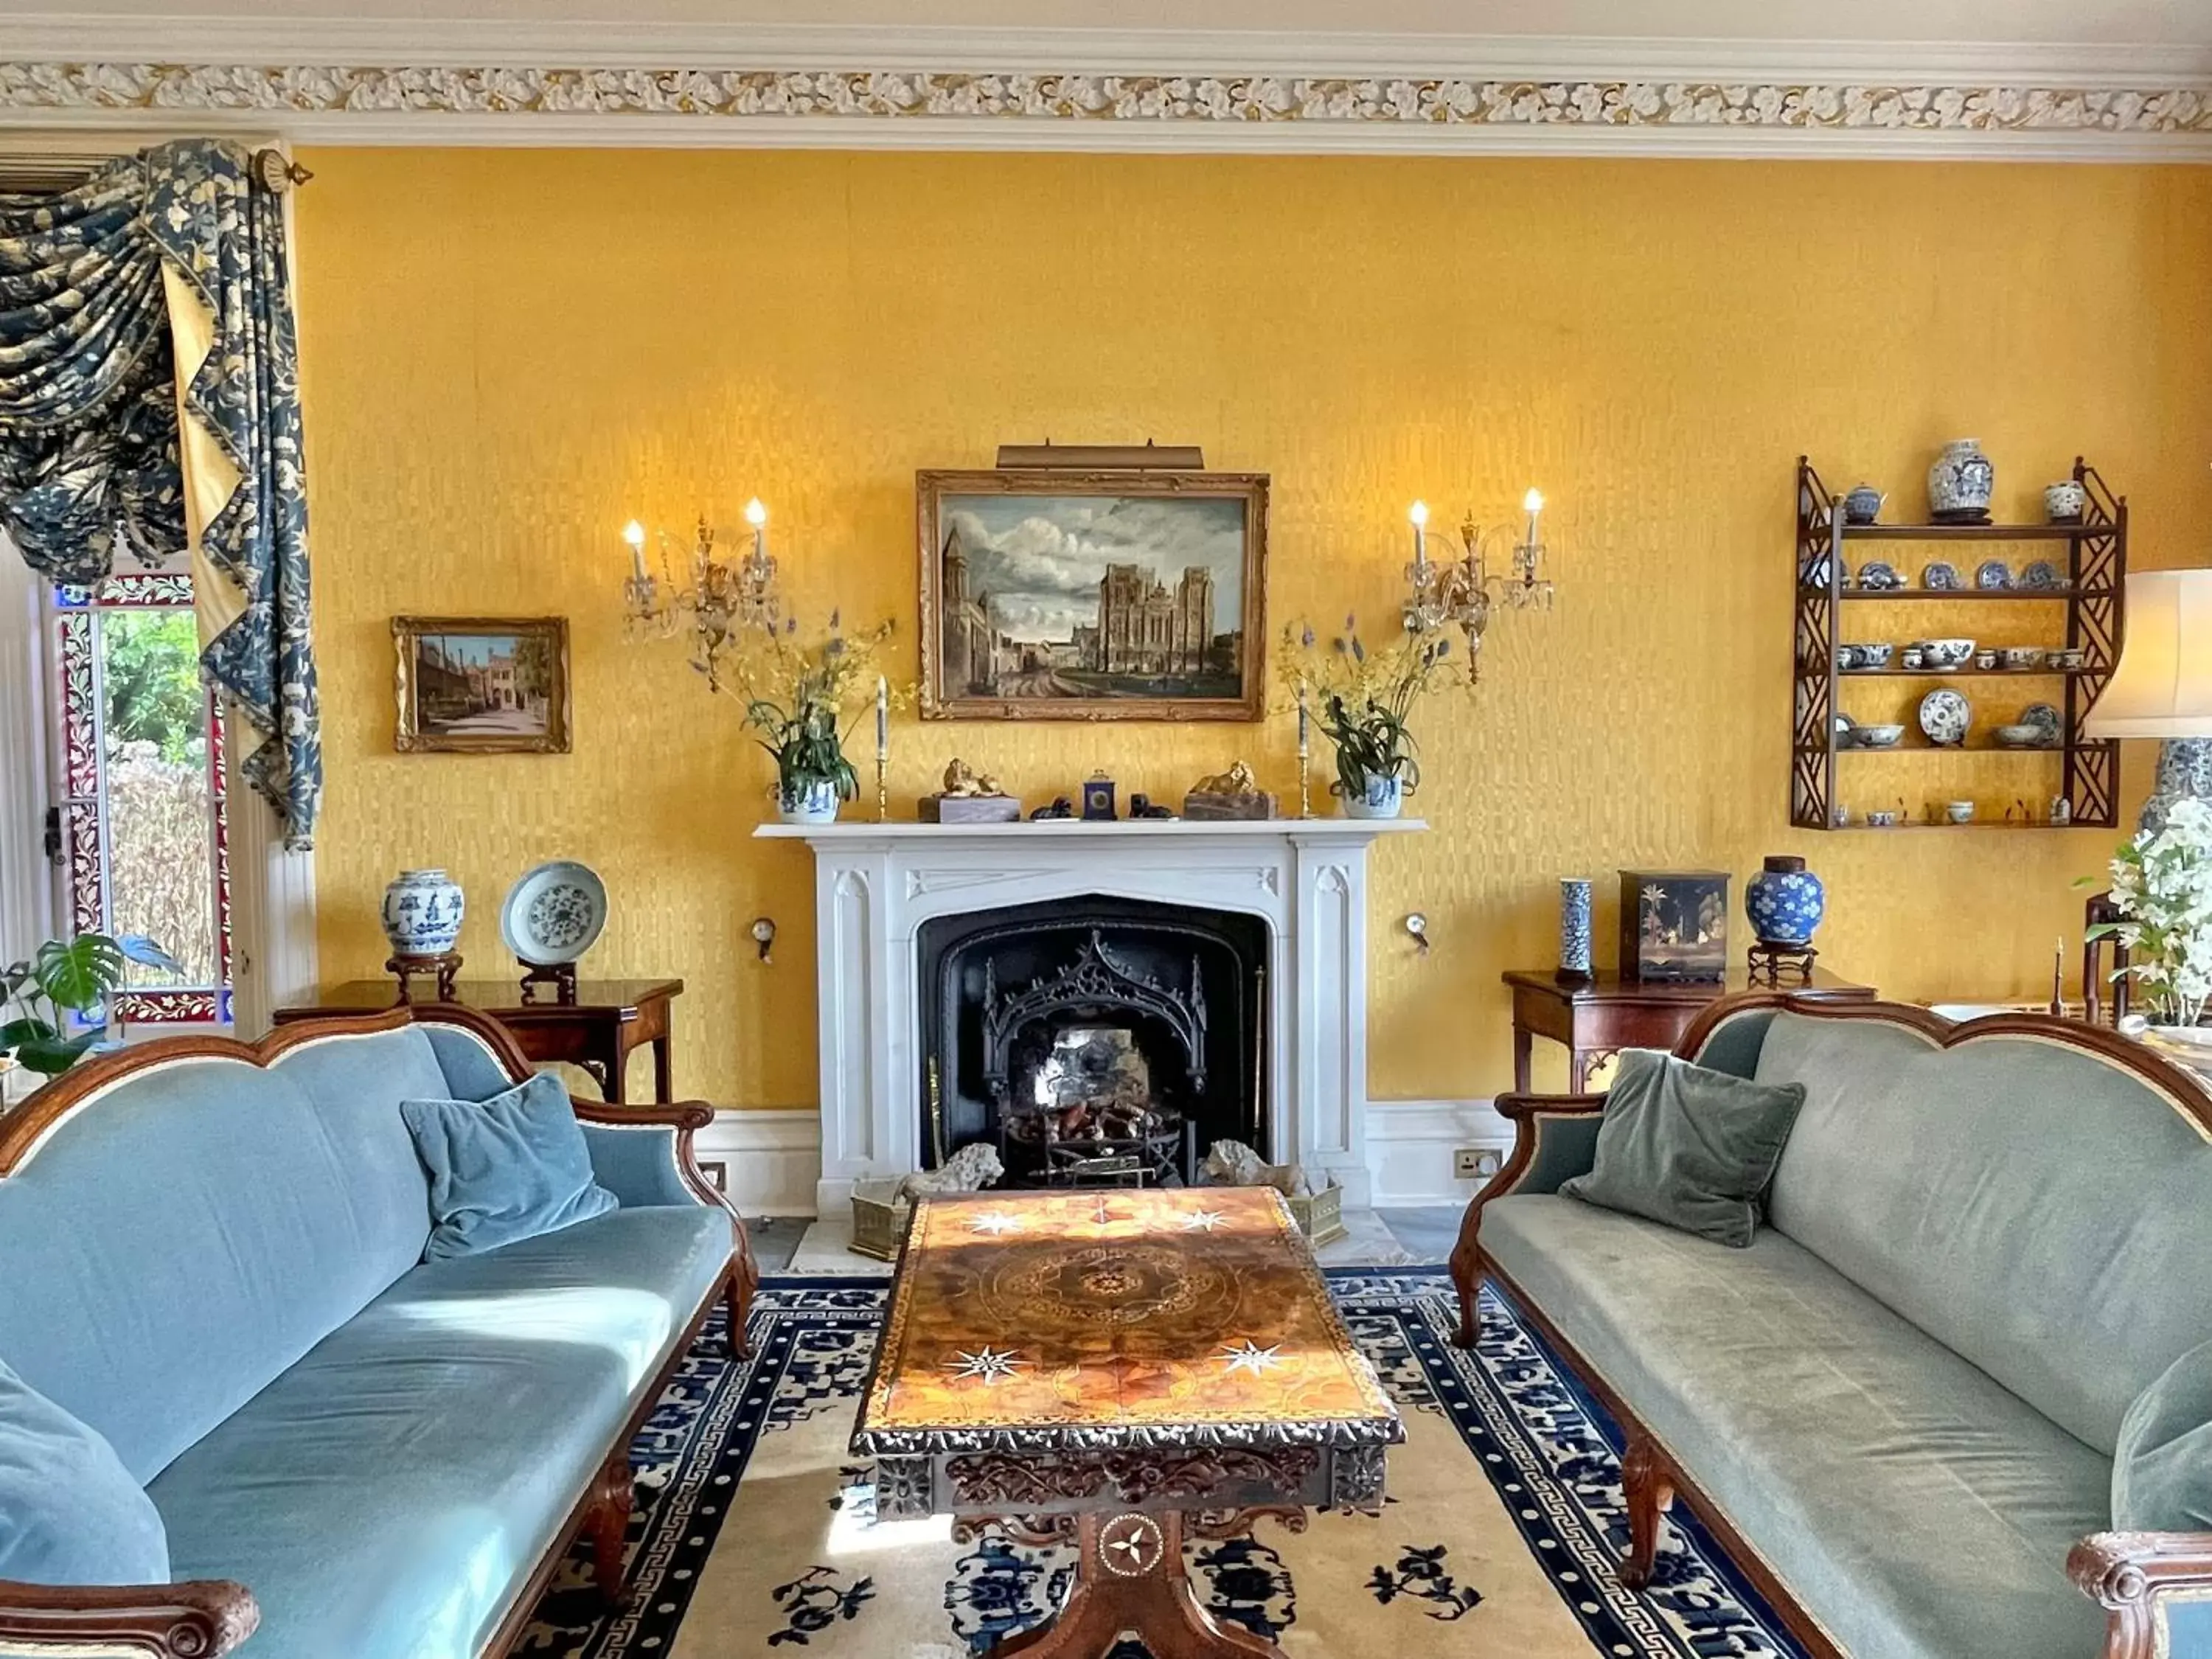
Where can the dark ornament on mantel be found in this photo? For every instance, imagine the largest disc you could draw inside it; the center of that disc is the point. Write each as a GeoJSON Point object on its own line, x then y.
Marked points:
{"type": "Point", "coordinates": [1061, 807]}
{"type": "Point", "coordinates": [1098, 799]}
{"type": "Point", "coordinates": [1142, 806]}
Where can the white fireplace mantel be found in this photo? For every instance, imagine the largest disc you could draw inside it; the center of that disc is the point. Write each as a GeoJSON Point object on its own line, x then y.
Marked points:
{"type": "Point", "coordinates": [876, 883]}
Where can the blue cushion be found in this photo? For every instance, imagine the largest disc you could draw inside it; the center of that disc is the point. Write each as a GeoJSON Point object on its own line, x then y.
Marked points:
{"type": "Point", "coordinates": [505, 1168]}
{"type": "Point", "coordinates": [2162, 1470]}
{"type": "Point", "coordinates": [69, 1512]}
{"type": "Point", "coordinates": [386, 1497]}
{"type": "Point", "coordinates": [184, 1236]}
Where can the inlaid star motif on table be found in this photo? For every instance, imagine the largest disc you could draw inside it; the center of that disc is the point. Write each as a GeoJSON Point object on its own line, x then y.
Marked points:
{"type": "Point", "coordinates": [1202, 1221]}
{"type": "Point", "coordinates": [997, 1223]}
{"type": "Point", "coordinates": [1251, 1357]}
{"type": "Point", "coordinates": [991, 1364]}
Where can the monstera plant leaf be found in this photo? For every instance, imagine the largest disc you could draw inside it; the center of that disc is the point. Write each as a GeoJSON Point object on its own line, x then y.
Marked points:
{"type": "Point", "coordinates": [78, 974]}
{"type": "Point", "coordinates": [51, 1056]}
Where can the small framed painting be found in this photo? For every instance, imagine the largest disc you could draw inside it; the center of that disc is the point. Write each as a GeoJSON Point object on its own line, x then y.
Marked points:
{"type": "Point", "coordinates": [482, 685]}
{"type": "Point", "coordinates": [1064, 593]}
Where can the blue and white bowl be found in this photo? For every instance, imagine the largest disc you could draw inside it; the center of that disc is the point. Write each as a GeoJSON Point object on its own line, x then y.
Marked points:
{"type": "Point", "coordinates": [1785, 903]}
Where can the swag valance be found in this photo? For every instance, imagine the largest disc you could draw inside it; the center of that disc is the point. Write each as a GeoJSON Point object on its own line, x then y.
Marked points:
{"type": "Point", "coordinates": [150, 399]}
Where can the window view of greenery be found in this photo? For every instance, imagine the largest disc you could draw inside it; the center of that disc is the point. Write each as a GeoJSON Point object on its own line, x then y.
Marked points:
{"type": "Point", "coordinates": [160, 810]}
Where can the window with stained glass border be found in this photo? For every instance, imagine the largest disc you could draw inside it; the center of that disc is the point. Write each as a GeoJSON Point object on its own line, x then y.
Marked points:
{"type": "Point", "coordinates": [103, 773]}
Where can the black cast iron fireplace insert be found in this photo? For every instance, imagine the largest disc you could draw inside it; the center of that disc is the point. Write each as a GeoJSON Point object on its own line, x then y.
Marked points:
{"type": "Point", "coordinates": [1094, 1040]}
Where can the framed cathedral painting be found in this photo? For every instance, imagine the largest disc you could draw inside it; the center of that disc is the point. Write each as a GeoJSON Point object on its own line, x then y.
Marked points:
{"type": "Point", "coordinates": [1072, 594]}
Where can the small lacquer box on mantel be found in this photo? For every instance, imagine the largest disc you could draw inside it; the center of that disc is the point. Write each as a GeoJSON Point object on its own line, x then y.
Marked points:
{"type": "Point", "coordinates": [1673, 923]}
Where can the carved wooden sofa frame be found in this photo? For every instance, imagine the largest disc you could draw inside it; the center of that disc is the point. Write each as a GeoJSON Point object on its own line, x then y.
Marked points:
{"type": "Point", "coordinates": [208, 1617]}
{"type": "Point", "coordinates": [2136, 1577]}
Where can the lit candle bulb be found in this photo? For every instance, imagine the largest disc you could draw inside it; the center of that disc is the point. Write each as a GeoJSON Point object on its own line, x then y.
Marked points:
{"type": "Point", "coordinates": [634, 533]}
{"type": "Point", "coordinates": [1533, 503]}
{"type": "Point", "coordinates": [1419, 514]}
{"type": "Point", "coordinates": [882, 718]}
{"type": "Point", "coordinates": [756, 516]}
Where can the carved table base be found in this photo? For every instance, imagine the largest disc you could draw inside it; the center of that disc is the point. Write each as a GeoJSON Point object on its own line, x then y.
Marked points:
{"type": "Point", "coordinates": [1131, 1578]}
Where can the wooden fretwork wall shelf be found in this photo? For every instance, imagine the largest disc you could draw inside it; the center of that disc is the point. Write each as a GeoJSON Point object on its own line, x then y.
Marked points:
{"type": "Point", "coordinates": [2096, 558]}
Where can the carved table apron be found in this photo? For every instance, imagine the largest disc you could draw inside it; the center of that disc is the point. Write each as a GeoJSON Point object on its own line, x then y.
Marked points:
{"type": "Point", "coordinates": [1118, 1370]}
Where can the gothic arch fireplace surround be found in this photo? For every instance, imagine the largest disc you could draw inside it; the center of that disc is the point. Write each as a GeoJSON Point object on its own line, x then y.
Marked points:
{"type": "Point", "coordinates": [1219, 969]}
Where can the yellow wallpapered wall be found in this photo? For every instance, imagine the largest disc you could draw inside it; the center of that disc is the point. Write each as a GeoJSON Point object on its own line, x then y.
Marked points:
{"type": "Point", "coordinates": [508, 353]}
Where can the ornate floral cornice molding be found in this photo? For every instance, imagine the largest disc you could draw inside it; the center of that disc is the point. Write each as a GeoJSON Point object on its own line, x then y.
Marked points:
{"type": "Point", "coordinates": [523, 105]}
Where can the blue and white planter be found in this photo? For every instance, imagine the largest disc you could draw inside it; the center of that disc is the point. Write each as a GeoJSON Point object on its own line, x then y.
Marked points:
{"type": "Point", "coordinates": [1785, 903]}
{"type": "Point", "coordinates": [1382, 797]}
{"type": "Point", "coordinates": [814, 801]}
{"type": "Point", "coordinates": [422, 913]}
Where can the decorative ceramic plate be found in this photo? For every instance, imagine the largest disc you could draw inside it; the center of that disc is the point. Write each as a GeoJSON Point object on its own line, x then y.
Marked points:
{"type": "Point", "coordinates": [2042, 575]}
{"type": "Point", "coordinates": [1944, 716]}
{"type": "Point", "coordinates": [1877, 576]}
{"type": "Point", "coordinates": [1992, 574]}
{"type": "Point", "coordinates": [1941, 577]}
{"type": "Point", "coordinates": [2042, 715]}
{"type": "Point", "coordinates": [554, 914]}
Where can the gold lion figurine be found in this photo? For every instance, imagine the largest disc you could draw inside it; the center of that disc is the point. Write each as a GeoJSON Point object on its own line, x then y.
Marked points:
{"type": "Point", "coordinates": [1236, 781]}
{"type": "Point", "coordinates": [961, 783]}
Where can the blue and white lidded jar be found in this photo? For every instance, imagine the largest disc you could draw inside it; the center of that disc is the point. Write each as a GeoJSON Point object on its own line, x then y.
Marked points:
{"type": "Point", "coordinates": [1961, 482]}
{"type": "Point", "coordinates": [1573, 927]}
{"type": "Point", "coordinates": [1785, 903]}
{"type": "Point", "coordinates": [423, 912]}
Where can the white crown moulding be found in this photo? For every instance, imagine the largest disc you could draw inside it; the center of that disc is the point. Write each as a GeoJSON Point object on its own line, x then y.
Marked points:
{"type": "Point", "coordinates": [340, 81]}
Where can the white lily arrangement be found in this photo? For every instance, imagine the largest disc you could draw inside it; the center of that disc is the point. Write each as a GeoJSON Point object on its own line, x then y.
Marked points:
{"type": "Point", "coordinates": [2162, 887]}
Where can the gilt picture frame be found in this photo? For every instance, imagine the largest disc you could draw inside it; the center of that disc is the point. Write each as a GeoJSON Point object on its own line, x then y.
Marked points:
{"type": "Point", "coordinates": [482, 685]}
{"type": "Point", "coordinates": [1082, 594]}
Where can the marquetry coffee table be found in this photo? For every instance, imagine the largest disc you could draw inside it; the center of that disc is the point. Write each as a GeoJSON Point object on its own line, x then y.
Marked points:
{"type": "Point", "coordinates": [1120, 1368]}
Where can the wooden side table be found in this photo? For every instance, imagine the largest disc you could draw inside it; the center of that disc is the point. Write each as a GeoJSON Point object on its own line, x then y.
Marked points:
{"type": "Point", "coordinates": [1597, 1020]}
{"type": "Point", "coordinates": [610, 1019]}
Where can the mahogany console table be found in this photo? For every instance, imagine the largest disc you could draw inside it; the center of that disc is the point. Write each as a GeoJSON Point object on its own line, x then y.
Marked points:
{"type": "Point", "coordinates": [1596, 1019]}
{"type": "Point", "coordinates": [609, 1020]}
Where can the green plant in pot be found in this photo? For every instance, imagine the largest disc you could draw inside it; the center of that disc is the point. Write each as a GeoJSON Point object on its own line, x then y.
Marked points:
{"type": "Point", "coordinates": [801, 703]}
{"type": "Point", "coordinates": [64, 986]}
{"type": "Point", "coordinates": [1364, 701]}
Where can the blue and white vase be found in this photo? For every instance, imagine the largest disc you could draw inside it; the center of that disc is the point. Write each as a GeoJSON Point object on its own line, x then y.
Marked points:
{"type": "Point", "coordinates": [1961, 482]}
{"type": "Point", "coordinates": [813, 801]}
{"type": "Point", "coordinates": [423, 912]}
{"type": "Point", "coordinates": [1785, 903]}
{"type": "Point", "coordinates": [1381, 798]}
{"type": "Point", "coordinates": [1574, 927]}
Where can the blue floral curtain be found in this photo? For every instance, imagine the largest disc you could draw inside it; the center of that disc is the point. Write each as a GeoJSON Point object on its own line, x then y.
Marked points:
{"type": "Point", "coordinates": [173, 255]}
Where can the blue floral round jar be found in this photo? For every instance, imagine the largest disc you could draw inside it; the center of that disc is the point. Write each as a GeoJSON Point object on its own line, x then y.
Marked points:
{"type": "Point", "coordinates": [1785, 901]}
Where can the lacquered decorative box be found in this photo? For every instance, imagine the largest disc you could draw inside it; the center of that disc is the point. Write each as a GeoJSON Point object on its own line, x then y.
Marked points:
{"type": "Point", "coordinates": [1673, 923]}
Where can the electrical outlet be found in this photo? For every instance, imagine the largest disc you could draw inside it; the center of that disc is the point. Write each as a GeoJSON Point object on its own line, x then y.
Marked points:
{"type": "Point", "coordinates": [1474, 1163]}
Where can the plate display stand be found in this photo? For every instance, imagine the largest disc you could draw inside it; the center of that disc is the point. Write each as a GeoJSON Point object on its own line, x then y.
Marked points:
{"type": "Point", "coordinates": [2089, 603]}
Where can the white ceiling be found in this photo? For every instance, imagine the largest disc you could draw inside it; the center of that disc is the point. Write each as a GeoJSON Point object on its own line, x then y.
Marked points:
{"type": "Point", "coordinates": [2091, 22]}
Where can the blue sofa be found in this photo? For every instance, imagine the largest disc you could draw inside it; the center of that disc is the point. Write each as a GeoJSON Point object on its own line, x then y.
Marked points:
{"type": "Point", "coordinates": [1900, 1407]}
{"type": "Point", "coordinates": [214, 1257]}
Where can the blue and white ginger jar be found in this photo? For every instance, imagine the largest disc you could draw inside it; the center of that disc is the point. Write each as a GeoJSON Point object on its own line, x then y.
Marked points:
{"type": "Point", "coordinates": [423, 912]}
{"type": "Point", "coordinates": [1785, 903]}
{"type": "Point", "coordinates": [1962, 480]}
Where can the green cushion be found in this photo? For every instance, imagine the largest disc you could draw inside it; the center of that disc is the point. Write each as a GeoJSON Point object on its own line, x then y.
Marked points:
{"type": "Point", "coordinates": [1687, 1146]}
{"type": "Point", "coordinates": [502, 1169]}
{"type": "Point", "coordinates": [1917, 1509]}
{"type": "Point", "coordinates": [2033, 1207]}
{"type": "Point", "coordinates": [2162, 1471]}
{"type": "Point", "coordinates": [388, 1496]}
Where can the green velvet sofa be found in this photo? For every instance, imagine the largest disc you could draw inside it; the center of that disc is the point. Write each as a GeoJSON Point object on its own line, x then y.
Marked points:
{"type": "Point", "coordinates": [1899, 1407]}
{"type": "Point", "coordinates": [214, 1257]}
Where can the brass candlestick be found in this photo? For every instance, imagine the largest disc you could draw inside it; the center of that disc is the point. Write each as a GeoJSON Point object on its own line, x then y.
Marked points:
{"type": "Point", "coordinates": [883, 795]}
{"type": "Point", "coordinates": [1305, 800]}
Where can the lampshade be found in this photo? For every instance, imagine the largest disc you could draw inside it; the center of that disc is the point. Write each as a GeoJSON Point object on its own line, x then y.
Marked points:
{"type": "Point", "coordinates": [2163, 686]}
